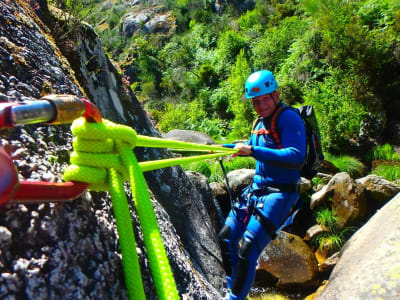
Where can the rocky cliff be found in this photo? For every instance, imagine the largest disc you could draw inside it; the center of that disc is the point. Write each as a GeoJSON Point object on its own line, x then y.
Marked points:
{"type": "Point", "coordinates": [70, 250]}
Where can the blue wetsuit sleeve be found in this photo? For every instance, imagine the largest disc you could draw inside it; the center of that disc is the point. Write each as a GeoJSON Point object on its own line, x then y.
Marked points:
{"type": "Point", "coordinates": [293, 139]}
{"type": "Point", "coordinates": [233, 145]}
{"type": "Point", "coordinates": [228, 145]}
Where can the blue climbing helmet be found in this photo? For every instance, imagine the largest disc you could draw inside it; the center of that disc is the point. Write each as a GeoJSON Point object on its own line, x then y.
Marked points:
{"type": "Point", "coordinates": [260, 83]}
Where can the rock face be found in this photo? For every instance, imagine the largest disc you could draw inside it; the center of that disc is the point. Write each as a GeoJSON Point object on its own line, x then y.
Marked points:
{"type": "Point", "coordinates": [70, 250]}
{"type": "Point", "coordinates": [369, 265]}
{"type": "Point", "coordinates": [147, 21]}
{"type": "Point", "coordinates": [201, 183]}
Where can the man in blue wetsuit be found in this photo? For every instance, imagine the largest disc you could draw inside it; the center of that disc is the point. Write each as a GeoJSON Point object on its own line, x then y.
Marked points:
{"type": "Point", "coordinates": [268, 202]}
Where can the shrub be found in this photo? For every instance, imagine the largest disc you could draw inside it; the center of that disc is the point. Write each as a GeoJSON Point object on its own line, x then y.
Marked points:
{"type": "Point", "coordinates": [219, 101]}
{"type": "Point", "coordinates": [230, 43]}
{"type": "Point", "coordinates": [202, 167]}
{"type": "Point", "coordinates": [242, 110]}
{"type": "Point", "coordinates": [383, 152]}
{"type": "Point", "coordinates": [325, 218]}
{"type": "Point", "coordinates": [334, 237]}
{"type": "Point", "coordinates": [270, 51]}
{"type": "Point", "coordinates": [339, 113]}
{"type": "Point", "coordinates": [213, 170]}
{"type": "Point", "coordinates": [207, 76]}
{"type": "Point", "coordinates": [389, 172]}
{"type": "Point", "coordinates": [348, 164]}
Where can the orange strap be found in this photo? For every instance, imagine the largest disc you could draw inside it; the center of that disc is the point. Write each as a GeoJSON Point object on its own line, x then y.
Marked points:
{"type": "Point", "coordinates": [273, 131]}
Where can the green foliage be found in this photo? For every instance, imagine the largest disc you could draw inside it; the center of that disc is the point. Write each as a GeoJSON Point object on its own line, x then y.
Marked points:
{"type": "Point", "coordinates": [340, 56]}
{"type": "Point", "coordinates": [325, 218]}
{"type": "Point", "coordinates": [316, 181]}
{"type": "Point", "coordinates": [202, 167]}
{"type": "Point", "coordinates": [390, 172]}
{"type": "Point", "coordinates": [112, 39]}
{"type": "Point", "coordinates": [219, 101]}
{"type": "Point", "coordinates": [208, 77]}
{"type": "Point", "coordinates": [190, 116]}
{"type": "Point", "coordinates": [339, 113]}
{"type": "Point", "coordinates": [334, 240]}
{"type": "Point", "coordinates": [383, 152]}
{"type": "Point", "coordinates": [230, 44]}
{"type": "Point", "coordinates": [249, 20]}
{"type": "Point", "coordinates": [348, 164]}
{"type": "Point", "coordinates": [213, 171]}
{"type": "Point", "coordinates": [334, 236]}
{"type": "Point", "coordinates": [270, 50]}
{"type": "Point", "coordinates": [242, 110]}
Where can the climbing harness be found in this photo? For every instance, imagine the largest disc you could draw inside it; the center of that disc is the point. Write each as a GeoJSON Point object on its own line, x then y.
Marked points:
{"type": "Point", "coordinates": [102, 161]}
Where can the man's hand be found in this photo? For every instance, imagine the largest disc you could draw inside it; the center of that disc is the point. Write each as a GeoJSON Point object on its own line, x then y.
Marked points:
{"type": "Point", "coordinates": [244, 150]}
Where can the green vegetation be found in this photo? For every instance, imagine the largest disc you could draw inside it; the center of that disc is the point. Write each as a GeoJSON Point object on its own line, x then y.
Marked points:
{"type": "Point", "coordinates": [334, 238]}
{"type": "Point", "coordinates": [317, 181]}
{"type": "Point", "coordinates": [339, 56]}
{"type": "Point", "coordinates": [349, 164]}
{"type": "Point", "coordinates": [383, 152]}
{"type": "Point", "coordinates": [325, 218]}
{"type": "Point", "coordinates": [213, 171]}
{"type": "Point", "coordinates": [336, 55]}
{"type": "Point", "coordinates": [389, 172]}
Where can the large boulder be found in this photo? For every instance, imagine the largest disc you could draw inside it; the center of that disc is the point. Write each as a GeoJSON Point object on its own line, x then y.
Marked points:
{"type": "Point", "coordinates": [378, 188]}
{"type": "Point", "coordinates": [348, 198]}
{"type": "Point", "coordinates": [239, 179]}
{"type": "Point", "coordinates": [190, 136]}
{"type": "Point", "coordinates": [369, 264]}
{"type": "Point", "coordinates": [289, 259]}
{"type": "Point", "coordinates": [132, 23]}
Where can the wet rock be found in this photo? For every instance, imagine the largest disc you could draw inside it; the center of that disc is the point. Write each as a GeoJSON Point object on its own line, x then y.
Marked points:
{"type": "Point", "coordinates": [132, 22]}
{"type": "Point", "coordinates": [305, 185]}
{"type": "Point", "coordinates": [328, 168]}
{"type": "Point", "coordinates": [5, 238]}
{"type": "Point", "coordinates": [70, 250]}
{"type": "Point", "coordinates": [162, 23]}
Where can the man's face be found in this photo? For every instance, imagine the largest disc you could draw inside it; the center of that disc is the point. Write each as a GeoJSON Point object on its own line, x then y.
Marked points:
{"type": "Point", "coordinates": [265, 105]}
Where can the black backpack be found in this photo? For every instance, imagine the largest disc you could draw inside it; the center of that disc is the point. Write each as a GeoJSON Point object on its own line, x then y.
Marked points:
{"type": "Point", "coordinates": [314, 154]}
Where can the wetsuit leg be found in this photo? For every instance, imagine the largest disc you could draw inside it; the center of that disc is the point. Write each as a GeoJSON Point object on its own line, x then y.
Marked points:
{"type": "Point", "coordinates": [255, 239]}
{"type": "Point", "coordinates": [274, 209]}
{"type": "Point", "coordinates": [229, 237]}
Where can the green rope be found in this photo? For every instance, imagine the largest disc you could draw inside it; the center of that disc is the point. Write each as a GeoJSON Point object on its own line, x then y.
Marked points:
{"type": "Point", "coordinates": [159, 265]}
{"type": "Point", "coordinates": [104, 158]}
{"type": "Point", "coordinates": [130, 261]}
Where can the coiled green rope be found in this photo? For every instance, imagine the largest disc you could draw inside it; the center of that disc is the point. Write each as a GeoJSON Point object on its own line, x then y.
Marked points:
{"type": "Point", "coordinates": [103, 157]}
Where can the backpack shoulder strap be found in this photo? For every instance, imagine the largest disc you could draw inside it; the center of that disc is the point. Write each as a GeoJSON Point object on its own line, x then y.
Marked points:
{"type": "Point", "coordinates": [254, 126]}
{"type": "Point", "coordinates": [274, 131]}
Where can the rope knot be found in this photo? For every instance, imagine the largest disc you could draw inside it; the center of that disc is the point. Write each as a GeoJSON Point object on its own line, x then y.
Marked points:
{"type": "Point", "coordinates": [96, 150]}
